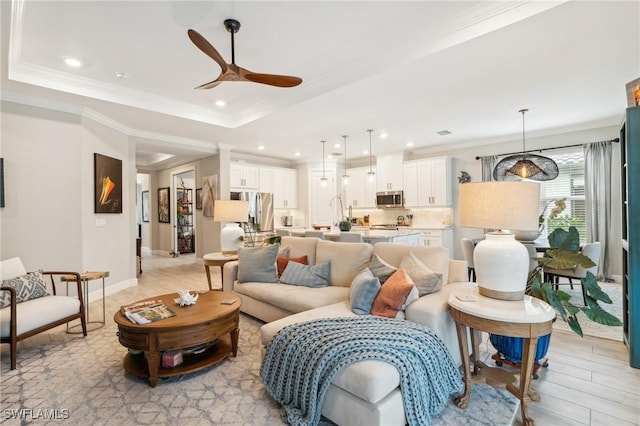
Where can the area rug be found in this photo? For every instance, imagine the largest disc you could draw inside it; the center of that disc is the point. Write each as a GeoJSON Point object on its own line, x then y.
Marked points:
{"type": "Point", "coordinates": [590, 328]}
{"type": "Point", "coordinates": [81, 381]}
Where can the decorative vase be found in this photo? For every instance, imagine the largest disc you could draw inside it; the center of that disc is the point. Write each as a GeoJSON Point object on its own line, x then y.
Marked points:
{"type": "Point", "coordinates": [345, 225]}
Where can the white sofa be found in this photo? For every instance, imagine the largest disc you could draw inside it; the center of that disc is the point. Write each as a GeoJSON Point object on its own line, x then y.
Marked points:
{"type": "Point", "coordinates": [367, 392]}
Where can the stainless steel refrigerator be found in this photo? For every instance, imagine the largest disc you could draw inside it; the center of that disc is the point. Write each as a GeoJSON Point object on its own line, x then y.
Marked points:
{"type": "Point", "coordinates": [260, 209]}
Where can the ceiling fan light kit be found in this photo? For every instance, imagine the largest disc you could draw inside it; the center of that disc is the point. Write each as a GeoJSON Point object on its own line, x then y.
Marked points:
{"type": "Point", "coordinates": [525, 166]}
{"type": "Point", "coordinates": [232, 72]}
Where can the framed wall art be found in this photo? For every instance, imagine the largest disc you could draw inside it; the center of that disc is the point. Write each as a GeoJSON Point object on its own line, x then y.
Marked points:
{"type": "Point", "coordinates": [145, 206]}
{"type": "Point", "coordinates": [164, 205]}
{"type": "Point", "coordinates": [107, 184]}
{"type": "Point", "coordinates": [199, 199]}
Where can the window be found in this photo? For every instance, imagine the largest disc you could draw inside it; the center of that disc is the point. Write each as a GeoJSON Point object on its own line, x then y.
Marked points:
{"type": "Point", "coordinates": [569, 185]}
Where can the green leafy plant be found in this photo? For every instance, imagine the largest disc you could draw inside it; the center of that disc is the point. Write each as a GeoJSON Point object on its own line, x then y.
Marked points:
{"type": "Point", "coordinates": [564, 253]}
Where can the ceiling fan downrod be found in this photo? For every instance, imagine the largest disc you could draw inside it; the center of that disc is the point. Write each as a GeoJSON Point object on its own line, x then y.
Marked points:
{"type": "Point", "coordinates": [233, 27]}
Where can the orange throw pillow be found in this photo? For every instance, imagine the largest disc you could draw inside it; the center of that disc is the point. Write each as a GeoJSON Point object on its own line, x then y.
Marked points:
{"type": "Point", "coordinates": [392, 295]}
{"type": "Point", "coordinates": [282, 262]}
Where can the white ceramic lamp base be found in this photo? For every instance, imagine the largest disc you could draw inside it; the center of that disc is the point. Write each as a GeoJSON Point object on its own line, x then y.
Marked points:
{"type": "Point", "coordinates": [502, 266]}
{"type": "Point", "coordinates": [231, 237]}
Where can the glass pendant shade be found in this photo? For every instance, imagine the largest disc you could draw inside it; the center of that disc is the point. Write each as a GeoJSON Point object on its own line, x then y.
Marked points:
{"type": "Point", "coordinates": [525, 166]}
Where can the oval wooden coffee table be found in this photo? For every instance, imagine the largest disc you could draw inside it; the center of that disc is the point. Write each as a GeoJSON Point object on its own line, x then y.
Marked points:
{"type": "Point", "coordinates": [207, 321]}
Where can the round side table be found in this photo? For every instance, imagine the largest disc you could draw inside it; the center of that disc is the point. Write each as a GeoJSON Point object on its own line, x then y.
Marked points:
{"type": "Point", "coordinates": [528, 318]}
{"type": "Point", "coordinates": [217, 259]}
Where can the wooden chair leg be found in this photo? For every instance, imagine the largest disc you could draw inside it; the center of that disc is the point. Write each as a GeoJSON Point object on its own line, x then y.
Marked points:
{"type": "Point", "coordinates": [584, 294]}
{"type": "Point", "coordinates": [14, 353]}
{"type": "Point", "coordinates": [571, 283]}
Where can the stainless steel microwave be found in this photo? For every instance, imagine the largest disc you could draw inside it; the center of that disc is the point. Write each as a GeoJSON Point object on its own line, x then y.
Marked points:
{"type": "Point", "coordinates": [389, 199]}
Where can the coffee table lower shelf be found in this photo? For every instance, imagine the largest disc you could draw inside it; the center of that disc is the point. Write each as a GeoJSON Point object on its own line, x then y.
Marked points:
{"type": "Point", "coordinates": [136, 364]}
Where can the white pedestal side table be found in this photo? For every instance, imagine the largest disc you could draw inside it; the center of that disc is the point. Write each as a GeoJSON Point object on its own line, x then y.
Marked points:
{"type": "Point", "coordinates": [529, 318]}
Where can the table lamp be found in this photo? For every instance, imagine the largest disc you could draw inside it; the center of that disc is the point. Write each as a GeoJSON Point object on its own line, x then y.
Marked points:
{"type": "Point", "coordinates": [232, 212]}
{"type": "Point", "coordinates": [500, 261]}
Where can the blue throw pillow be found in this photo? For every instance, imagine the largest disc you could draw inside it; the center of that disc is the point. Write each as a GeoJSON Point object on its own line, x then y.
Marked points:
{"type": "Point", "coordinates": [306, 275]}
{"type": "Point", "coordinates": [363, 291]}
{"type": "Point", "coordinates": [258, 264]}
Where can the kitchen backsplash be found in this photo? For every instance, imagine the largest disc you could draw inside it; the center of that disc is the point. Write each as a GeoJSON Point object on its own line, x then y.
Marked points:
{"type": "Point", "coordinates": [422, 218]}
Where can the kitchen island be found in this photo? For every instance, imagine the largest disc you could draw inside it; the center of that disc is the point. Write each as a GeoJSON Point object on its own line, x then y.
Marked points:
{"type": "Point", "coordinates": [401, 236]}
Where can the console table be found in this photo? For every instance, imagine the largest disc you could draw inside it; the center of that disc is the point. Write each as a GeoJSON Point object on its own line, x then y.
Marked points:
{"type": "Point", "coordinates": [529, 318]}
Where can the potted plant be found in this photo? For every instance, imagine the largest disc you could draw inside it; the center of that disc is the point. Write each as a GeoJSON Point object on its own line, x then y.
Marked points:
{"type": "Point", "coordinates": [564, 253]}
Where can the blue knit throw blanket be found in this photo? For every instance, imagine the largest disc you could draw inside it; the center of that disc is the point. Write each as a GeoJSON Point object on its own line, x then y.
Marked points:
{"type": "Point", "coordinates": [303, 359]}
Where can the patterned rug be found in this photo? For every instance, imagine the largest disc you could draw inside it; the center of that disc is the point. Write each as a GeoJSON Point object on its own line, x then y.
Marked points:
{"type": "Point", "coordinates": [590, 328]}
{"type": "Point", "coordinates": [81, 381]}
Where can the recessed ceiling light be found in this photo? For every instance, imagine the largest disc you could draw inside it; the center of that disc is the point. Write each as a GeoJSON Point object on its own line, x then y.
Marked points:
{"type": "Point", "coordinates": [365, 152]}
{"type": "Point", "coordinates": [121, 76]}
{"type": "Point", "coordinates": [409, 143]}
{"type": "Point", "coordinates": [297, 154]}
{"type": "Point", "coordinates": [72, 62]}
{"type": "Point", "coordinates": [221, 103]}
{"type": "Point", "coordinates": [383, 135]}
{"type": "Point", "coordinates": [260, 147]}
{"type": "Point", "coordinates": [337, 145]}
{"type": "Point", "coordinates": [443, 132]}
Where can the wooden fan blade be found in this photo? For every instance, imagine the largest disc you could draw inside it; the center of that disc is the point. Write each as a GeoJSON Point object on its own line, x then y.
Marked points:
{"type": "Point", "coordinates": [202, 44]}
{"type": "Point", "coordinates": [272, 79]}
{"type": "Point", "coordinates": [210, 85]}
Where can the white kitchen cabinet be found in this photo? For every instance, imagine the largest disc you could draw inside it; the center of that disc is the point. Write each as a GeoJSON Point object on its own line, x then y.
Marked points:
{"type": "Point", "coordinates": [361, 191]}
{"type": "Point", "coordinates": [266, 181]}
{"type": "Point", "coordinates": [438, 238]}
{"type": "Point", "coordinates": [410, 183]}
{"type": "Point", "coordinates": [434, 182]}
{"type": "Point", "coordinates": [244, 177]}
{"type": "Point", "coordinates": [389, 172]}
{"type": "Point", "coordinates": [285, 193]}
{"type": "Point", "coordinates": [414, 239]}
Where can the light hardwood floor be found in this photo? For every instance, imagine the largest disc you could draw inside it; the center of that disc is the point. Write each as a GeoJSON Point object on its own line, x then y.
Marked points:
{"type": "Point", "coordinates": [588, 381]}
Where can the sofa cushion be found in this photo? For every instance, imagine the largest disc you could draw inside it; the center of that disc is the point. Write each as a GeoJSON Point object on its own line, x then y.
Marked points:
{"type": "Point", "coordinates": [435, 258]}
{"type": "Point", "coordinates": [301, 246]}
{"type": "Point", "coordinates": [11, 268]}
{"type": "Point", "coordinates": [363, 292]}
{"type": "Point", "coordinates": [258, 264]}
{"type": "Point", "coordinates": [347, 259]}
{"type": "Point", "coordinates": [283, 261]}
{"type": "Point", "coordinates": [292, 298]}
{"type": "Point", "coordinates": [35, 313]}
{"type": "Point", "coordinates": [426, 280]}
{"type": "Point", "coordinates": [28, 286]}
{"type": "Point", "coordinates": [306, 275]}
{"type": "Point", "coordinates": [392, 296]}
{"type": "Point", "coordinates": [381, 269]}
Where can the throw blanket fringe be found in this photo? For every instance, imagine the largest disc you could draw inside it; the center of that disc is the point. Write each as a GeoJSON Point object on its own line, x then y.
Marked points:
{"type": "Point", "coordinates": [302, 360]}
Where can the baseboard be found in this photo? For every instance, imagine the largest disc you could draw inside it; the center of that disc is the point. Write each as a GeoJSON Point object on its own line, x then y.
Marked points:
{"type": "Point", "coordinates": [112, 289]}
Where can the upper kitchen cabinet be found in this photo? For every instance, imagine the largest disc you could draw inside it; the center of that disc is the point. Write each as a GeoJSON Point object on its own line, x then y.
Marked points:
{"type": "Point", "coordinates": [266, 179]}
{"type": "Point", "coordinates": [243, 177]}
{"type": "Point", "coordinates": [285, 193]}
{"type": "Point", "coordinates": [361, 191]}
{"type": "Point", "coordinates": [427, 182]}
{"type": "Point", "coordinates": [389, 172]}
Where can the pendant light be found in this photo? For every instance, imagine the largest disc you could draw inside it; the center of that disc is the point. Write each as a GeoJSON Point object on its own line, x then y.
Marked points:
{"type": "Point", "coordinates": [525, 165]}
{"type": "Point", "coordinates": [371, 174]}
{"type": "Point", "coordinates": [345, 176]}
{"type": "Point", "coordinates": [323, 179]}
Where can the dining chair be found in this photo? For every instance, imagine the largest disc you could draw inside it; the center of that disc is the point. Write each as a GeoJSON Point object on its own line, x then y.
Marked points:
{"type": "Point", "coordinates": [283, 232]}
{"type": "Point", "coordinates": [592, 251]}
{"type": "Point", "coordinates": [317, 234]}
{"type": "Point", "coordinates": [350, 237]}
{"type": "Point", "coordinates": [467, 250]}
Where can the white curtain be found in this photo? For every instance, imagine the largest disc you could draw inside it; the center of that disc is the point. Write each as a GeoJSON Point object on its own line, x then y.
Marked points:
{"type": "Point", "coordinates": [599, 201]}
{"type": "Point", "coordinates": [488, 164]}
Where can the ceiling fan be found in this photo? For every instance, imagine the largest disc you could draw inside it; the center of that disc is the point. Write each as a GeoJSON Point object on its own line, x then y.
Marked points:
{"type": "Point", "coordinates": [232, 72]}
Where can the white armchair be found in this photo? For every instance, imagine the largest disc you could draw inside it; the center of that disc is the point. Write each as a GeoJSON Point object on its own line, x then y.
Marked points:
{"type": "Point", "coordinates": [22, 319]}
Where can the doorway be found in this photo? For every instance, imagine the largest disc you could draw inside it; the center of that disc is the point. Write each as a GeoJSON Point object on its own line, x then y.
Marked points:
{"type": "Point", "coordinates": [184, 217]}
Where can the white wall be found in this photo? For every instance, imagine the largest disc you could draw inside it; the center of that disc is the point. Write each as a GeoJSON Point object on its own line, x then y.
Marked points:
{"type": "Point", "coordinates": [49, 218]}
